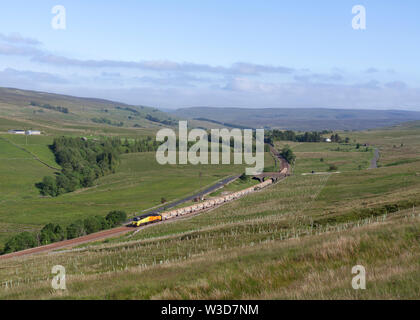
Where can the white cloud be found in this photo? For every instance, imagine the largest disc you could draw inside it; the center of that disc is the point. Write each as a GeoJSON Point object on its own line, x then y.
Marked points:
{"type": "Point", "coordinates": [175, 84]}
{"type": "Point", "coordinates": [16, 38]}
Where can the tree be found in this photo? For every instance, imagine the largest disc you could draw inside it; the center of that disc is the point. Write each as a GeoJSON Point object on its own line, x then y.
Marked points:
{"type": "Point", "coordinates": [47, 234]}
{"type": "Point", "coordinates": [336, 138]}
{"type": "Point", "coordinates": [288, 154]}
{"type": "Point", "coordinates": [92, 225]}
{"type": "Point", "coordinates": [22, 241]}
{"type": "Point", "coordinates": [51, 233]}
{"type": "Point", "coordinates": [104, 222]}
{"type": "Point", "coordinates": [75, 230]}
{"type": "Point", "coordinates": [49, 187]}
{"type": "Point", "coordinates": [115, 218]}
{"type": "Point", "coordinates": [60, 233]}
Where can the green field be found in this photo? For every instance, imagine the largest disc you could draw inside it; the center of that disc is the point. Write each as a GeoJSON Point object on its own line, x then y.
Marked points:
{"type": "Point", "coordinates": [319, 156]}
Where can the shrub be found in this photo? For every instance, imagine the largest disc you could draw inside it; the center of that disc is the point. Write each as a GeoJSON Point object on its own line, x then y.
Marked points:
{"type": "Point", "coordinates": [288, 154]}
{"type": "Point", "coordinates": [332, 167]}
{"type": "Point", "coordinates": [76, 229]}
{"type": "Point", "coordinates": [92, 224]}
{"type": "Point", "coordinates": [51, 233]}
{"type": "Point", "coordinates": [48, 187]}
{"type": "Point", "coordinates": [22, 241]}
{"type": "Point", "coordinates": [115, 218]}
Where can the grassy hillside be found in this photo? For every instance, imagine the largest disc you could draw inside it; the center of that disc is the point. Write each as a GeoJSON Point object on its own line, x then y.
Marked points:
{"type": "Point", "coordinates": [38, 110]}
{"type": "Point", "coordinates": [311, 267]}
{"type": "Point", "coordinates": [296, 239]}
{"type": "Point", "coordinates": [301, 119]}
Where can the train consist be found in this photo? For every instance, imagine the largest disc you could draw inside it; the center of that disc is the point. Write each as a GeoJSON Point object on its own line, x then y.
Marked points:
{"type": "Point", "coordinates": [152, 218]}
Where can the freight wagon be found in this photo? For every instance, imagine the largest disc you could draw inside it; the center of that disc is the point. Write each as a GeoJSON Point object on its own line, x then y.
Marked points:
{"type": "Point", "coordinates": [151, 218]}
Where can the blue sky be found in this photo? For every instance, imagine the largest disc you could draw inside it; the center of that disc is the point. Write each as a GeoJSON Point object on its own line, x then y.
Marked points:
{"type": "Point", "coordinates": [182, 53]}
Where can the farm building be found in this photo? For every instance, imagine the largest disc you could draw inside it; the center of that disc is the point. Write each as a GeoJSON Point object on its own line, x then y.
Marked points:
{"type": "Point", "coordinates": [28, 132]}
{"type": "Point", "coordinates": [17, 131]}
{"type": "Point", "coordinates": [33, 132]}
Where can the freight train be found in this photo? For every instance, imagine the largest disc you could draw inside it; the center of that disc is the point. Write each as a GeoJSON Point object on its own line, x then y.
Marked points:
{"type": "Point", "coordinates": [152, 218]}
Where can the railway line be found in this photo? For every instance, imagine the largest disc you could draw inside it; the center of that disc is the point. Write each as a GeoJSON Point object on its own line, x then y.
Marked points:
{"type": "Point", "coordinates": [68, 243]}
{"type": "Point", "coordinates": [165, 216]}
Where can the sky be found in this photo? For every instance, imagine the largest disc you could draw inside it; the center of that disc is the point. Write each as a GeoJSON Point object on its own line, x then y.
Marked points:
{"type": "Point", "coordinates": [257, 54]}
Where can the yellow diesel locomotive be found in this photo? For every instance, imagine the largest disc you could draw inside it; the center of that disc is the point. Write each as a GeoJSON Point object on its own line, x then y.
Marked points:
{"type": "Point", "coordinates": [146, 219]}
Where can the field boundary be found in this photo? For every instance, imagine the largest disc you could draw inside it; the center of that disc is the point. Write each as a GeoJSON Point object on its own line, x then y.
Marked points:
{"type": "Point", "coordinates": [27, 151]}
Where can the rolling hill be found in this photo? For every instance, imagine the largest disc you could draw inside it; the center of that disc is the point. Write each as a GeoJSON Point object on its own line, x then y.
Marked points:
{"type": "Point", "coordinates": [300, 119]}
{"type": "Point", "coordinates": [61, 111]}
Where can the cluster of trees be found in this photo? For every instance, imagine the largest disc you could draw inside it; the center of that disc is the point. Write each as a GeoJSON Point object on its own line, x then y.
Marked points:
{"type": "Point", "coordinates": [107, 121]}
{"type": "Point", "coordinates": [136, 112]}
{"type": "Point", "coordinates": [336, 138]}
{"type": "Point", "coordinates": [168, 122]}
{"type": "Point", "coordinates": [54, 232]}
{"type": "Point", "coordinates": [83, 161]}
{"type": "Point", "coordinates": [90, 225]}
{"type": "Point", "coordinates": [309, 137]}
{"type": "Point", "coordinates": [288, 154]}
{"type": "Point", "coordinates": [289, 135]}
{"type": "Point", "coordinates": [50, 107]}
{"type": "Point", "coordinates": [145, 145]}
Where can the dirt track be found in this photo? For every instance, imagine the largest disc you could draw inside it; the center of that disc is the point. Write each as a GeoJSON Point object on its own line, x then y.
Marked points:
{"type": "Point", "coordinates": [69, 243]}
{"type": "Point", "coordinates": [374, 162]}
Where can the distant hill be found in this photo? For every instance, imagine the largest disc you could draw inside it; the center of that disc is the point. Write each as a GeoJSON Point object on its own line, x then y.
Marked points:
{"type": "Point", "coordinates": [63, 109]}
{"type": "Point", "coordinates": [300, 119]}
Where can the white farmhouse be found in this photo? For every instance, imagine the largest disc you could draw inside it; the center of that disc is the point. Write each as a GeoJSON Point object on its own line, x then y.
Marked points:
{"type": "Point", "coordinates": [33, 132]}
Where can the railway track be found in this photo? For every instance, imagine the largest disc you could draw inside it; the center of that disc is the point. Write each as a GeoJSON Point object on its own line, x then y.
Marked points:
{"type": "Point", "coordinates": [122, 230]}
{"type": "Point", "coordinates": [69, 243]}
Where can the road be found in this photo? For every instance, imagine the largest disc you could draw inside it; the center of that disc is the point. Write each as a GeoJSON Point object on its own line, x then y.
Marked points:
{"type": "Point", "coordinates": [197, 195]}
{"type": "Point", "coordinates": [374, 161]}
